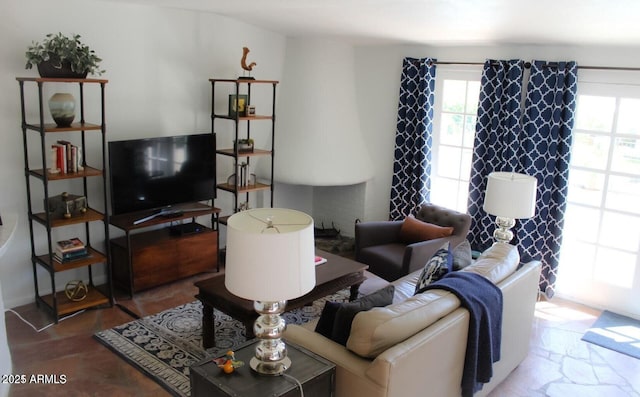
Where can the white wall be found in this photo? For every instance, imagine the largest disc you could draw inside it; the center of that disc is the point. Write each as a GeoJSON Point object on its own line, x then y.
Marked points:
{"type": "Point", "coordinates": [378, 83]}
{"type": "Point", "coordinates": [158, 63]}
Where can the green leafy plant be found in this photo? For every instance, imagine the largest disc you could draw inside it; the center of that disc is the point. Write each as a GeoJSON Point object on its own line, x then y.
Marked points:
{"type": "Point", "coordinates": [60, 49]}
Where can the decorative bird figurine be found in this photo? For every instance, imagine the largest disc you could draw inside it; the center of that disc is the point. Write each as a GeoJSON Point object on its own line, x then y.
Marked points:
{"type": "Point", "coordinates": [243, 63]}
{"type": "Point", "coordinates": [228, 362]}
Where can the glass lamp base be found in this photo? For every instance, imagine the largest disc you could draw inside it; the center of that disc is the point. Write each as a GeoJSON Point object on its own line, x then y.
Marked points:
{"type": "Point", "coordinates": [271, 352]}
{"type": "Point", "coordinates": [270, 368]}
{"type": "Point", "coordinates": [503, 234]}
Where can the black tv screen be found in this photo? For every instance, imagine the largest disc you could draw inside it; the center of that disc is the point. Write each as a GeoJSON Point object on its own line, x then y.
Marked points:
{"type": "Point", "coordinates": [153, 173]}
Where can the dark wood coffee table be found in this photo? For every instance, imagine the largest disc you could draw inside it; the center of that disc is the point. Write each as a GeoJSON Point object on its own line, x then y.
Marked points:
{"type": "Point", "coordinates": [336, 274]}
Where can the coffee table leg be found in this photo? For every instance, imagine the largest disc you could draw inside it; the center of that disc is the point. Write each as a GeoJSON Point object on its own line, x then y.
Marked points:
{"type": "Point", "coordinates": [208, 327]}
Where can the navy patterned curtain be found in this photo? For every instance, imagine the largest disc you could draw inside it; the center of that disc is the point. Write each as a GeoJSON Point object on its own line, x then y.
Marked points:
{"type": "Point", "coordinates": [412, 157]}
{"type": "Point", "coordinates": [496, 143]}
{"type": "Point", "coordinates": [545, 153]}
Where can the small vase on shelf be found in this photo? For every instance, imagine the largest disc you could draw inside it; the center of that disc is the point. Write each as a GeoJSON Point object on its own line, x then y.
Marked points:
{"type": "Point", "coordinates": [63, 109]}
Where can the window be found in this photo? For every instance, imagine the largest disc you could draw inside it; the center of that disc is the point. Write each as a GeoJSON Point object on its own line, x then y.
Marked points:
{"type": "Point", "coordinates": [456, 106]}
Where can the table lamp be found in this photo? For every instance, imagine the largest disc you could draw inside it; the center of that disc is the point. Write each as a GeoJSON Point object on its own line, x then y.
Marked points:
{"type": "Point", "coordinates": [270, 259]}
{"type": "Point", "coordinates": [509, 196]}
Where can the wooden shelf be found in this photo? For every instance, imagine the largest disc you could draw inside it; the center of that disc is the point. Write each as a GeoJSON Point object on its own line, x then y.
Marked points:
{"type": "Point", "coordinates": [52, 127]}
{"type": "Point", "coordinates": [94, 257]}
{"type": "Point", "coordinates": [245, 81]}
{"type": "Point", "coordinates": [90, 216]}
{"type": "Point", "coordinates": [87, 172]}
{"type": "Point", "coordinates": [66, 306]}
{"type": "Point", "coordinates": [61, 80]}
{"type": "Point", "coordinates": [245, 118]}
{"type": "Point", "coordinates": [256, 152]}
{"type": "Point", "coordinates": [243, 189]}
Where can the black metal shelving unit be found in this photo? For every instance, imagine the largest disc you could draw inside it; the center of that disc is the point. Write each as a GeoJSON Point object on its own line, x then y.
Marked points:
{"type": "Point", "coordinates": [57, 302]}
{"type": "Point", "coordinates": [242, 130]}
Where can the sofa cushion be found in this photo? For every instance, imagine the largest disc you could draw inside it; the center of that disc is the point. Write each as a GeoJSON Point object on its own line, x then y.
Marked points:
{"type": "Point", "coordinates": [414, 230]}
{"type": "Point", "coordinates": [346, 312]}
{"type": "Point", "coordinates": [405, 286]}
{"type": "Point", "coordinates": [376, 330]}
{"type": "Point", "coordinates": [461, 255]}
{"type": "Point", "coordinates": [324, 326]}
{"type": "Point", "coordinates": [435, 268]}
{"type": "Point", "coordinates": [496, 263]}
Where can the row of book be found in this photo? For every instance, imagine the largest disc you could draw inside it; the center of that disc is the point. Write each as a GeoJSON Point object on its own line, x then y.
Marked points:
{"type": "Point", "coordinates": [244, 177]}
{"type": "Point", "coordinates": [66, 157]}
{"type": "Point", "coordinates": [69, 250]}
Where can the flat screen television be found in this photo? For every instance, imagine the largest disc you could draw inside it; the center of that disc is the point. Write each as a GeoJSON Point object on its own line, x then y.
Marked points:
{"type": "Point", "coordinates": [154, 173]}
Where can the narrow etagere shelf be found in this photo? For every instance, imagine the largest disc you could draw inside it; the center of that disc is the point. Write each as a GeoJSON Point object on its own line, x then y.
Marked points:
{"type": "Point", "coordinates": [56, 302]}
{"type": "Point", "coordinates": [242, 130]}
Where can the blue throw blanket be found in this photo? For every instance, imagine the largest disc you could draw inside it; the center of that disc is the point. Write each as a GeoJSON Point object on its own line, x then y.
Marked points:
{"type": "Point", "coordinates": [483, 299]}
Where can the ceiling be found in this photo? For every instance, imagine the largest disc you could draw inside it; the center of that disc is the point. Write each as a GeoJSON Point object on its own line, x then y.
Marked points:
{"type": "Point", "coordinates": [436, 22]}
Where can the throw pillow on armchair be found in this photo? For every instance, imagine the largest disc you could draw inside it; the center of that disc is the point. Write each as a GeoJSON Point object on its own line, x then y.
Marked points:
{"type": "Point", "coordinates": [414, 230]}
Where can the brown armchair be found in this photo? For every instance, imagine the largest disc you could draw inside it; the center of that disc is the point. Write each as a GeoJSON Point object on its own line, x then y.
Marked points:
{"type": "Point", "coordinates": [379, 243]}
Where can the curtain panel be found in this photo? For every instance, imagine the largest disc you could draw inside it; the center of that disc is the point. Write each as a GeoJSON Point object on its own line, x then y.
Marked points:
{"type": "Point", "coordinates": [538, 145]}
{"type": "Point", "coordinates": [498, 131]}
{"type": "Point", "coordinates": [411, 180]}
{"type": "Point", "coordinates": [545, 153]}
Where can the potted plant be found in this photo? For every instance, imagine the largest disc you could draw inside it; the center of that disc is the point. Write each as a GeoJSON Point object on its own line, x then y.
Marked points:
{"type": "Point", "coordinates": [244, 145]}
{"type": "Point", "coordinates": [63, 57]}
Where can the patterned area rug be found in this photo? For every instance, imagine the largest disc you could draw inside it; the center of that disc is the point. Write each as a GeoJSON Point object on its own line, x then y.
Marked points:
{"type": "Point", "coordinates": [164, 345]}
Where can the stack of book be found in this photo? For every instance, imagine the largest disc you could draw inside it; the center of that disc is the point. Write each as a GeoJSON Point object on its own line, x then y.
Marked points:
{"type": "Point", "coordinates": [68, 250]}
{"type": "Point", "coordinates": [68, 157]}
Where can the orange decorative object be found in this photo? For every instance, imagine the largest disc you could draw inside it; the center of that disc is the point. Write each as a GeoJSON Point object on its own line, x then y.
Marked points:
{"type": "Point", "coordinates": [243, 61]}
{"type": "Point", "coordinates": [228, 367]}
{"type": "Point", "coordinates": [228, 362]}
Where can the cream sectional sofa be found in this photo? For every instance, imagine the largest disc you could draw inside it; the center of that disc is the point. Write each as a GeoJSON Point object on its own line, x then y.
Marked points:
{"type": "Point", "coordinates": [416, 346]}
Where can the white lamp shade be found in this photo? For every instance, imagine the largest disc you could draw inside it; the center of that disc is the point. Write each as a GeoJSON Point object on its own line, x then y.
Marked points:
{"type": "Point", "coordinates": [510, 195]}
{"type": "Point", "coordinates": [270, 263]}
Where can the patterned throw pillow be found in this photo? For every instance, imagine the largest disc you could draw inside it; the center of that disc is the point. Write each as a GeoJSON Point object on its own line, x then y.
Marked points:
{"type": "Point", "coordinates": [439, 265]}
